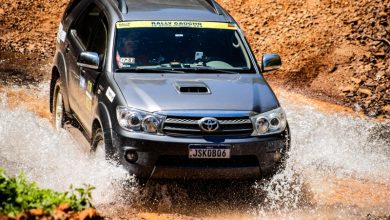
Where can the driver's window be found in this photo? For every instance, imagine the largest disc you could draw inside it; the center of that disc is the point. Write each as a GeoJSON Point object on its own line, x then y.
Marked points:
{"type": "Point", "coordinates": [82, 29]}
{"type": "Point", "coordinates": [99, 40]}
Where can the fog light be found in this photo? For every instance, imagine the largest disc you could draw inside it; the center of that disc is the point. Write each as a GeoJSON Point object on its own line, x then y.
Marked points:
{"type": "Point", "coordinates": [131, 156]}
{"type": "Point", "coordinates": [277, 156]}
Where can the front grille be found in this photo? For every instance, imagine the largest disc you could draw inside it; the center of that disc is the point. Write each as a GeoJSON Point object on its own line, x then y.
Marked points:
{"type": "Point", "coordinates": [190, 126]}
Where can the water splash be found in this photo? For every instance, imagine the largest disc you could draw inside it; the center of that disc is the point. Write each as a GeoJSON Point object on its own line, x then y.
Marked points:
{"type": "Point", "coordinates": [3, 100]}
{"type": "Point", "coordinates": [53, 159]}
{"type": "Point", "coordinates": [328, 150]}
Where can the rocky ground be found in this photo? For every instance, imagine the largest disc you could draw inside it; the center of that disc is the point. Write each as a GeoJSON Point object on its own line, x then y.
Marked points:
{"type": "Point", "coordinates": [30, 26]}
{"type": "Point", "coordinates": [335, 50]}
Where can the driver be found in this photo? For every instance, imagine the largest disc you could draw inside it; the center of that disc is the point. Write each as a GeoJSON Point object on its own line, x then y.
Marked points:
{"type": "Point", "coordinates": [128, 54]}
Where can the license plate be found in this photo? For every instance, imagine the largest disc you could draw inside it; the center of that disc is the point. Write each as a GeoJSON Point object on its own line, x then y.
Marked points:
{"type": "Point", "coordinates": [209, 151]}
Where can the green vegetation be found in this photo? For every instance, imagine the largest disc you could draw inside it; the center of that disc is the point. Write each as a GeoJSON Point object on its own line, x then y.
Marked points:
{"type": "Point", "coordinates": [17, 195]}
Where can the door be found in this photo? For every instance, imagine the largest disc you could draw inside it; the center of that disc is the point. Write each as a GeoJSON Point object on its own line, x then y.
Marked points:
{"type": "Point", "coordinates": [89, 77]}
{"type": "Point", "coordinates": [80, 36]}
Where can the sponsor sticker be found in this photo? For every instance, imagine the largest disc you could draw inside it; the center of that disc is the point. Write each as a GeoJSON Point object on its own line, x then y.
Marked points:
{"type": "Point", "coordinates": [88, 94]}
{"type": "Point", "coordinates": [89, 87]}
{"type": "Point", "coordinates": [127, 60]}
{"type": "Point", "coordinates": [82, 83]}
{"type": "Point", "coordinates": [110, 94]}
{"type": "Point", "coordinates": [176, 24]}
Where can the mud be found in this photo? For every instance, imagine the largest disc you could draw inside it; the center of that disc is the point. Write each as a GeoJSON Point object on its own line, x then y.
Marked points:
{"type": "Point", "coordinates": [18, 69]}
{"type": "Point", "coordinates": [21, 78]}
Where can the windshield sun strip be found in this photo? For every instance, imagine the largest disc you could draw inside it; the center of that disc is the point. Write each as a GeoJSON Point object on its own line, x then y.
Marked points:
{"type": "Point", "coordinates": [176, 24]}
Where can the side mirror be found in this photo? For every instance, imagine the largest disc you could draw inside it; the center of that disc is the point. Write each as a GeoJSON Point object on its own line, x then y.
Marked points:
{"type": "Point", "coordinates": [271, 62]}
{"type": "Point", "coordinates": [89, 60]}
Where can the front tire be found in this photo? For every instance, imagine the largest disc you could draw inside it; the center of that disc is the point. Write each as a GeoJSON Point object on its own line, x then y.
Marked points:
{"type": "Point", "coordinates": [98, 145]}
{"type": "Point", "coordinates": [281, 164]}
{"type": "Point", "coordinates": [101, 150]}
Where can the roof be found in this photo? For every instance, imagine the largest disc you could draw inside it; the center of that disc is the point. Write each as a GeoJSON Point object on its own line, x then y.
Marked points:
{"type": "Point", "coordinates": [198, 10]}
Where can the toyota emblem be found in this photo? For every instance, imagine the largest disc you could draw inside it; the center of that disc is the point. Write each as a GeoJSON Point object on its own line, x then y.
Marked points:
{"type": "Point", "coordinates": [209, 124]}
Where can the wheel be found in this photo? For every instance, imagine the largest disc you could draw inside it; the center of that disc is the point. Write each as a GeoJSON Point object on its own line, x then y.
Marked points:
{"type": "Point", "coordinates": [101, 148]}
{"type": "Point", "coordinates": [281, 164]}
{"type": "Point", "coordinates": [98, 146]}
{"type": "Point", "coordinates": [58, 107]}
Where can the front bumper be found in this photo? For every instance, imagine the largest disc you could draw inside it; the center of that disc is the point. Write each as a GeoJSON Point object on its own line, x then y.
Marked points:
{"type": "Point", "coordinates": [167, 156]}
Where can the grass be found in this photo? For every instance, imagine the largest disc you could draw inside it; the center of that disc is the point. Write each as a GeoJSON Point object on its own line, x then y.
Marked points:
{"type": "Point", "coordinates": [17, 196]}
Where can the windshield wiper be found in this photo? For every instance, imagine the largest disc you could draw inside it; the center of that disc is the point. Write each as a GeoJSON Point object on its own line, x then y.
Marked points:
{"type": "Point", "coordinates": [206, 70]}
{"type": "Point", "coordinates": [159, 69]}
{"type": "Point", "coordinates": [149, 70]}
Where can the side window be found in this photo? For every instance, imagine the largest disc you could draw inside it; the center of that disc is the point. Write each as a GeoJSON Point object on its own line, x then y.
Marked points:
{"type": "Point", "coordinates": [82, 29]}
{"type": "Point", "coordinates": [99, 41]}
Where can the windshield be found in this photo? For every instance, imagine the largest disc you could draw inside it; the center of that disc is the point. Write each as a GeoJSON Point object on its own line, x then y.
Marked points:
{"type": "Point", "coordinates": [152, 46]}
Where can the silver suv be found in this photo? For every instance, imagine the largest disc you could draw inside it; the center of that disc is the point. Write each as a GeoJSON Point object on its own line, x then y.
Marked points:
{"type": "Point", "coordinates": [170, 89]}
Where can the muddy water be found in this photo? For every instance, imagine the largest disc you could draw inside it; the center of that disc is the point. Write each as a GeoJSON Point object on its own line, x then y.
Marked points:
{"type": "Point", "coordinates": [339, 168]}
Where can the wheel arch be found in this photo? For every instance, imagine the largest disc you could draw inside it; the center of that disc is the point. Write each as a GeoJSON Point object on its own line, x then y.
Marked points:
{"type": "Point", "coordinates": [102, 117]}
{"type": "Point", "coordinates": [103, 121]}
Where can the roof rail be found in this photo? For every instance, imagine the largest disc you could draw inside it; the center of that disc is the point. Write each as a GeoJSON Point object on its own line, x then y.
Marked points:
{"type": "Point", "coordinates": [122, 6]}
{"type": "Point", "coordinates": [215, 6]}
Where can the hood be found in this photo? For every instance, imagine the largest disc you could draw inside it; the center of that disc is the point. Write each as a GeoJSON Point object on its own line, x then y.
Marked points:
{"type": "Point", "coordinates": [221, 92]}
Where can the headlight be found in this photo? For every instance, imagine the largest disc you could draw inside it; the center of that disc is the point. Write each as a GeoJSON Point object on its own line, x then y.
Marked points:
{"type": "Point", "coordinates": [150, 124]}
{"type": "Point", "coordinates": [269, 122]}
{"type": "Point", "coordinates": [136, 120]}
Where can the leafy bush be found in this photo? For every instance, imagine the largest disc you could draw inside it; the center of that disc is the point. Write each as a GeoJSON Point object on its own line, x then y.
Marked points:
{"type": "Point", "coordinates": [17, 195]}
